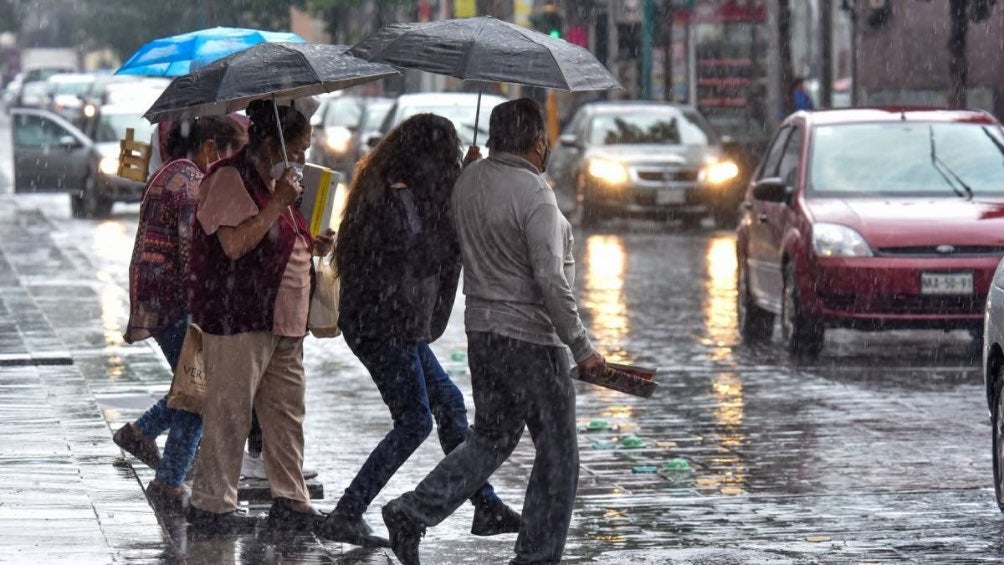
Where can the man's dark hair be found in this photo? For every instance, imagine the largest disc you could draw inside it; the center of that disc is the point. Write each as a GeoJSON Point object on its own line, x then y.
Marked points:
{"type": "Point", "coordinates": [515, 126]}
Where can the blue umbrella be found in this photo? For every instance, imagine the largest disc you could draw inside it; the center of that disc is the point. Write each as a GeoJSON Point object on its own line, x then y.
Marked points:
{"type": "Point", "coordinates": [179, 54]}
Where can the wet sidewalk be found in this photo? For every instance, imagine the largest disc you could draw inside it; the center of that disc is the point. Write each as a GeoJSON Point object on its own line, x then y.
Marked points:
{"type": "Point", "coordinates": [65, 493]}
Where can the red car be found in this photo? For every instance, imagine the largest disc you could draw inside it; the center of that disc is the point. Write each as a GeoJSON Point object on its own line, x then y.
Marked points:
{"type": "Point", "coordinates": [872, 219]}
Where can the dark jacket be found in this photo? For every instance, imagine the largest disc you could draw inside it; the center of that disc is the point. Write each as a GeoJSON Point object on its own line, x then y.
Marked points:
{"type": "Point", "coordinates": [400, 277]}
{"type": "Point", "coordinates": [231, 297]}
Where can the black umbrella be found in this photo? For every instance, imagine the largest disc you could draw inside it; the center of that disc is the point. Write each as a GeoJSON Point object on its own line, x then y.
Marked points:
{"type": "Point", "coordinates": [487, 49]}
{"type": "Point", "coordinates": [276, 71]}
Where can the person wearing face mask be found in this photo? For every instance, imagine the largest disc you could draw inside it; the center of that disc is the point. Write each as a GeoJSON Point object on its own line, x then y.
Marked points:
{"type": "Point", "coordinates": [400, 264]}
{"type": "Point", "coordinates": [252, 277]}
{"type": "Point", "coordinates": [521, 320]}
{"type": "Point", "coordinates": [158, 294]}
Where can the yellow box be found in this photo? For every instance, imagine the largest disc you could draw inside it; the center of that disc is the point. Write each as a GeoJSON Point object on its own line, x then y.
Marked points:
{"type": "Point", "coordinates": [320, 185]}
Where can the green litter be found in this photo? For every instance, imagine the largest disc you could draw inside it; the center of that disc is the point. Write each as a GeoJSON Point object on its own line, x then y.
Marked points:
{"type": "Point", "coordinates": [604, 445]}
{"type": "Point", "coordinates": [598, 425]}
{"type": "Point", "coordinates": [644, 469]}
{"type": "Point", "coordinates": [458, 355]}
{"type": "Point", "coordinates": [677, 464]}
{"type": "Point", "coordinates": [632, 442]}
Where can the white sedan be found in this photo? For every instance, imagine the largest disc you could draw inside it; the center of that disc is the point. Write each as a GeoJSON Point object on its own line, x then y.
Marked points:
{"type": "Point", "coordinates": [993, 374]}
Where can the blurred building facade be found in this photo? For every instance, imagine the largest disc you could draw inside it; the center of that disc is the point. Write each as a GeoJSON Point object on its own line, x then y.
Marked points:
{"type": "Point", "coordinates": [904, 59]}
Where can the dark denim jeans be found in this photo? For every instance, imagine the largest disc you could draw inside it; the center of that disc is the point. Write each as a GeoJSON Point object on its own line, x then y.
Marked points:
{"type": "Point", "coordinates": [417, 390]}
{"type": "Point", "coordinates": [186, 427]}
{"type": "Point", "coordinates": [516, 384]}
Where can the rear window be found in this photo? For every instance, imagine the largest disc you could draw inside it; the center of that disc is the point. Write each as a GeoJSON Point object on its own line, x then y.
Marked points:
{"type": "Point", "coordinates": [906, 159]}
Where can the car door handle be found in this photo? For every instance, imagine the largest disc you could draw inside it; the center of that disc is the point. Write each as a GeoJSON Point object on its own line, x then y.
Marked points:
{"type": "Point", "coordinates": [762, 217]}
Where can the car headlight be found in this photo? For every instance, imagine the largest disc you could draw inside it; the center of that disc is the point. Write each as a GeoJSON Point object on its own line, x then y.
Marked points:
{"type": "Point", "coordinates": [609, 172]}
{"type": "Point", "coordinates": [109, 165]}
{"type": "Point", "coordinates": [835, 240]}
{"type": "Point", "coordinates": [337, 139]}
{"type": "Point", "coordinates": [719, 172]}
{"type": "Point", "coordinates": [90, 110]}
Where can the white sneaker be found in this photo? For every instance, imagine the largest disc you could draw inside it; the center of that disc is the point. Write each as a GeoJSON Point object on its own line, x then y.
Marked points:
{"type": "Point", "coordinates": [254, 468]}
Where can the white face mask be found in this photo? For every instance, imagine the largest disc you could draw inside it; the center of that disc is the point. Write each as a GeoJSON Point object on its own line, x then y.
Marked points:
{"type": "Point", "coordinates": [280, 167]}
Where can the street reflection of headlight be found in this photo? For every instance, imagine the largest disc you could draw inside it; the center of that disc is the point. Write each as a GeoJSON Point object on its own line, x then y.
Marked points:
{"type": "Point", "coordinates": [337, 139]}
{"type": "Point", "coordinates": [109, 165]}
{"type": "Point", "coordinates": [608, 171]}
{"type": "Point", "coordinates": [719, 172]}
{"type": "Point", "coordinates": [835, 240]}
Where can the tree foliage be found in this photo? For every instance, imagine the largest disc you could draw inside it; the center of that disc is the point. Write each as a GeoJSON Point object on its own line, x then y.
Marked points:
{"type": "Point", "coordinates": [124, 25]}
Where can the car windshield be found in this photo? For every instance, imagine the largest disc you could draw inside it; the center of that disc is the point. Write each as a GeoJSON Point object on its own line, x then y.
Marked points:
{"type": "Point", "coordinates": [675, 128]}
{"type": "Point", "coordinates": [344, 112]}
{"type": "Point", "coordinates": [73, 88]}
{"type": "Point", "coordinates": [376, 113]}
{"type": "Point", "coordinates": [112, 127]}
{"type": "Point", "coordinates": [462, 116]}
{"type": "Point", "coordinates": [907, 159]}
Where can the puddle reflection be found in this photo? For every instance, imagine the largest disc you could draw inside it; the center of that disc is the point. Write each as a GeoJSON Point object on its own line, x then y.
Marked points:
{"type": "Point", "coordinates": [720, 317]}
{"type": "Point", "coordinates": [604, 295]}
{"type": "Point", "coordinates": [113, 246]}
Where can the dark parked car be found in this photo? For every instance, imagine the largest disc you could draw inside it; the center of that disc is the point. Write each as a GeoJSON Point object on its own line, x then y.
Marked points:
{"type": "Point", "coordinates": [872, 219]}
{"type": "Point", "coordinates": [51, 154]}
{"type": "Point", "coordinates": [646, 159]}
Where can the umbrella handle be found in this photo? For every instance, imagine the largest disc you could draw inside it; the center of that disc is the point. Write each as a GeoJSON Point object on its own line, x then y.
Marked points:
{"type": "Point", "coordinates": [477, 113]}
{"type": "Point", "coordinates": [282, 140]}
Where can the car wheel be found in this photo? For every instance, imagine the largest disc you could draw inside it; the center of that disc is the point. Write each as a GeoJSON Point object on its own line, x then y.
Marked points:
{"type": "Point", "coordinates": [587, 213]}
{"type": "Point", "coordinates": [802, 336]}
{"type": "Point", "coordinates": [77, 205]}
{"type": "Point", "coordinates": [93, 204]}
{"type": "Point", "coordinates": [725, 218]}
{"type": "Point", "coordinates": [997, 421]}
{"type": "Point", "coordinates": [756, 325]}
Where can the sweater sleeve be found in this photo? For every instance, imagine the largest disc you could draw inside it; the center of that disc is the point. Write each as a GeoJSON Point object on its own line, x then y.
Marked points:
{"type": "Point", "coordinates": [545, 240]}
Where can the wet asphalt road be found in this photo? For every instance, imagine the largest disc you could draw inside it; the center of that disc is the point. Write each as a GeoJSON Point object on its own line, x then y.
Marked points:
{"type": "Point", "coordinates": [877, 452]}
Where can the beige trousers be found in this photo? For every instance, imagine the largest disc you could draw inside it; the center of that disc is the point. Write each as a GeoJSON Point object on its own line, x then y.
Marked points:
{"type": "Point", "coordinates": [263, 371]}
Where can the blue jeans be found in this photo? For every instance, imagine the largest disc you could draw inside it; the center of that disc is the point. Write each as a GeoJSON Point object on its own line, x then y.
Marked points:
{"type": "Point", "coordinates": [186, 427]}
{"type": "Point", "coordinates": [416, 389]}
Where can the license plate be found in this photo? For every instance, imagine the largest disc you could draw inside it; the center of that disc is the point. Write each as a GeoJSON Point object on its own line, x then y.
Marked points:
{"type": "Point", "coordinates": [663, 197]}
{"type": "Point", "coordinates": [945, 283]}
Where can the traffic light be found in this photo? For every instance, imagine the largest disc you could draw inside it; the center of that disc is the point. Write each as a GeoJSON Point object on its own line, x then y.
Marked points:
{"type": "Point", "coordinates": [547, 21]}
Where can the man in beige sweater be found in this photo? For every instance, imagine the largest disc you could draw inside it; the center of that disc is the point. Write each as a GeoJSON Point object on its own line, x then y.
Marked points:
{"type": "Point", "coordinates": [521, 321]}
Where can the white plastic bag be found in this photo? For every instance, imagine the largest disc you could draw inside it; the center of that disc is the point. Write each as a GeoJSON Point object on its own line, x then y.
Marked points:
{"type": "Point", "coordinates": [323, 317]}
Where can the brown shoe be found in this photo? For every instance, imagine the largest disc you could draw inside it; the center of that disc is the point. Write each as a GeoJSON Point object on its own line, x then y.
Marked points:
{"type": "Point", "coordinates": [171, 499]}
{"type": "Point", "coordinates": [141, 447]}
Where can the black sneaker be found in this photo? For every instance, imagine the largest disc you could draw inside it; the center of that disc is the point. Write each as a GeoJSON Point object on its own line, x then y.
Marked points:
{"type": "Point", "coordinates": [236, 522]}
{"type": "Point", "coordinates": [342, 528]}
{"type": "Point", "coordinates": [282, 517]}
{"type": "Point", "coordinates": [405, 534]}
{"type": "Point", "coordinates": [494, 519]}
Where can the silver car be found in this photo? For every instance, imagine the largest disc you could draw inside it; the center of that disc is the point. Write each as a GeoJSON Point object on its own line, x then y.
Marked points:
{"type": "Point", "coordinates": [647, 159]}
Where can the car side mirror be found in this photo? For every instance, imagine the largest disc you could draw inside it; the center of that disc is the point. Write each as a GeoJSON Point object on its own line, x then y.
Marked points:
{"type": "Point", "coordinates": [772, 189]}
{"type": "Point", "coordinates": [569, 140]}
{"type": "Point", "coordinates": [68, 142]}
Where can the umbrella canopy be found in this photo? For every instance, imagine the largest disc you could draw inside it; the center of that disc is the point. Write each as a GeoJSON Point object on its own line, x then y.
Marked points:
{"type": "Point", "coordinates": [268, 70]}
{"type": "Point", "coordinates": [179, 54]}
{"type": "Point", "coordinates": [487, 49]}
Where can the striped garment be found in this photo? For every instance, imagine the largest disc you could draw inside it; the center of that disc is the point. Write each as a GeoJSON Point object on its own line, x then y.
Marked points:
{"type": "Point", "coordinates": [158, 272]}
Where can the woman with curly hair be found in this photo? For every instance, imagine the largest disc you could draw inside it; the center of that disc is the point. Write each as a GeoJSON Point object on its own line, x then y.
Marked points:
{"type": "Point", "coordinates": [399, 263]}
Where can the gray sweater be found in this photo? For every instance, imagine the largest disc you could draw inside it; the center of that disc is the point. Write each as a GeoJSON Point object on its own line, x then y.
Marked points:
{"type": "Point", "coordinates": [517, 255]}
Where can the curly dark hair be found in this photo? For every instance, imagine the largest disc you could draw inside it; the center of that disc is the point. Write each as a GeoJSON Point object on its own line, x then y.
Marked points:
{"type": "Point", "coordinates": [187, 135]}
{"type": "Point", "coordinates": [263, 124]}
{"type": "Point", "coordinates": [422, 152]}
